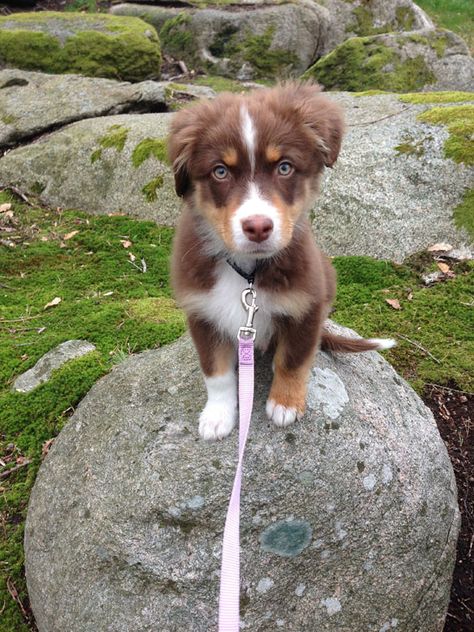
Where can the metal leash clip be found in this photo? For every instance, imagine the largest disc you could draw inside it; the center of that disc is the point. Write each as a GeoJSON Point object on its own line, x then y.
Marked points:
{"type": "Point", "coordinates": [248, 331]}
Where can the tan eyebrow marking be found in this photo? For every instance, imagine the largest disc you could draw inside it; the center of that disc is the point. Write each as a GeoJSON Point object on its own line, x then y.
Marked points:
{"type": "Point", "coordinates": [273, 153]}
{"type": "Point", "coordinates": [230, 157]}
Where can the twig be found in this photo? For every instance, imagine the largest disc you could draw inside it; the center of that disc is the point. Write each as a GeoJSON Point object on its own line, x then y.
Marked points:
{"type": "Point", "coordinates": [382, 118]}
{"type": "Point", "coordinates": [16, 597]}
{"type": "Point", "coordinates": [448, 388]}
{"type": "Point", "coordinates": [417, 344]}
{"type": "Point", "coordinates": [17, 191]}
{"type": "Point", "coordinates": [16, 320]}
{"type": "Point", "coordinates": [13, 469]}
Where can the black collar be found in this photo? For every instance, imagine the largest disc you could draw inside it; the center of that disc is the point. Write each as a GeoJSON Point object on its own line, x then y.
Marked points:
{"type": "Point", "coordinates": [248, 276]}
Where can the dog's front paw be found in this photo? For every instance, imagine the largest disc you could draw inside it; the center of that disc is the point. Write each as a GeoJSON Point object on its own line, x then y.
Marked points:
{"type": "Point", "coordinates": [281, 415]}
{"type": "Point", "coordinates": [216, 421]}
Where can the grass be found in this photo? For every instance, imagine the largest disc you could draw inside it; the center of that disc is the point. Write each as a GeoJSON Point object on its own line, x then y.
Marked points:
{"type": "Point", "coordinates": [107, 299]}
{"type": "Point", "coordinates": [455, 15]}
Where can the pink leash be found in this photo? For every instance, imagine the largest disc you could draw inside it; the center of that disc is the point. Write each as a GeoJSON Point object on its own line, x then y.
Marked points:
{"type": "Point", "coordinates": [229, 617]}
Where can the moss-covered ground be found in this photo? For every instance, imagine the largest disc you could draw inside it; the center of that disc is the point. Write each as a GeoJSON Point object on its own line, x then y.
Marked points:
{"type": "Point", "coordinates": [95, 265]}
{"type": "Point", "coordinates": [106, 298]}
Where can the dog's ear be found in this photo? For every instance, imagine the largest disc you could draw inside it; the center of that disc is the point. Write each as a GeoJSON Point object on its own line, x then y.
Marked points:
{"type": "Point", "coordinates": [324, 118]}
{"type": "Point", "coordinates": [181, 139]}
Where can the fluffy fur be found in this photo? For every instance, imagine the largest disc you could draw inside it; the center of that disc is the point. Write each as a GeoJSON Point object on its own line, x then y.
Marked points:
{"type": "Point", "coordinates": [248, 168]}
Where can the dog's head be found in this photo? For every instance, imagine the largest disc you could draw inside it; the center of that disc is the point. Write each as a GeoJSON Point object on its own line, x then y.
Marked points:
{"type": "Point", "coordinates": [250, 164]}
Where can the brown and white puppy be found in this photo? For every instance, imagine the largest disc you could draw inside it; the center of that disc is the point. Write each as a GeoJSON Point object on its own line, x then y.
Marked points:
{"type": "Point", "coordinates": [248, 168]}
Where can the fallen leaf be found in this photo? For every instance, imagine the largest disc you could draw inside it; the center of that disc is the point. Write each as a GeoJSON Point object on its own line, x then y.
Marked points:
{"type": "Point", "coordinates": [70, 235]}
{"type": "Point", "coordinates": [410, 296]}
{"type": "Point", "coordinates": [441, 247]}
{"type": "Point", "coordinates": [132, 256]}
{"type": "Point", "coordinates": [62, 244]}
{"type": "Point", "coordinates": [443, 267]}
{"type": "Point", "coordinates": [107, 293]}
{"type": "Point", "coordinates": [44, 238]}
{"type": "Point", "coordinates": [56, 300]}
{"type": "Point", "coordinates": [393, 302]}
{"type": "Point", "coordinates": [25, 356]}
{"type": "Point", "coordinates": [9, 214]}
{"type": "Point", "coordinates": [5, 207]}
{"type": "Point", "coordinates": [126, 243]}
{"type": "Point", "coordinates": [46, 446]}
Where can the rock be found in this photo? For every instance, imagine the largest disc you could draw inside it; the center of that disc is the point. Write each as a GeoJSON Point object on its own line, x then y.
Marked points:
{"type": "Point", "coordinates": [432, 59]}
{"type": "Point", "coordinates": [32, 103]}
{"type": "Point", "coordinates": [349, 518]}
{"type": "Point", "coordinates": [116, 164]}
{"type": "Point", "coordinates": [92, 44]}
{"type": "Point", "coordinates": [350, 18]}
{"type": "Point", "coordinates": [392, 192]}
{"type": "Point", "coordinates": [251, 41]}
{"type": "Point", "coordinates": [54, 359]}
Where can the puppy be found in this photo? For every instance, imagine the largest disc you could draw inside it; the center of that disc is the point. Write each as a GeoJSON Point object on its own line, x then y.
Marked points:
{"type": "Point", "coordinates": [248, 168]}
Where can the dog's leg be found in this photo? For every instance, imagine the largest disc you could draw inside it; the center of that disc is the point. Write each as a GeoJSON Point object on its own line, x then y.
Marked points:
{"type": "Point", "coordinates": [294, 355]}
{"type": "Point", "coordinates": [217, 360]}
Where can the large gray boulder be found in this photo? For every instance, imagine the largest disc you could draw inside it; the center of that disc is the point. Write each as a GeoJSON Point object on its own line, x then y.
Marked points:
{"type": "Point", "coordinates": [349, 518]}
{"type": "Point", "coordinates": [259, 39]}
{"type": "Point", "coordinates": [33, 103]}
{"type": "Point", "coordinates": [426, 60]}
{"type": "Point", "coordinates": [115, 164]}
{"type": "Point", "coordinates": [392, 192]}
{"type": "Point", "coordinates": [92, 44]}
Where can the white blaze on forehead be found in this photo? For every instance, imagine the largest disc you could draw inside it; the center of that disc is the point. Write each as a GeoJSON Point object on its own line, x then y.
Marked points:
{"type": "Point", "coordinates": [249, 136]}
{"type": "Point", "coordinates": [255, 204]}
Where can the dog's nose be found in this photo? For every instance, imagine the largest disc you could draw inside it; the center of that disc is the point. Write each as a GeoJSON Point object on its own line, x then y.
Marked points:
{"type": "Point", "coordinates": [257, 227]}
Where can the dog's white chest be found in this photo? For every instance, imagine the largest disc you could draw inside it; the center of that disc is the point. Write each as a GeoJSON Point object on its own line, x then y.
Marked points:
{"type": "Point", "coordinates": [222, 306]}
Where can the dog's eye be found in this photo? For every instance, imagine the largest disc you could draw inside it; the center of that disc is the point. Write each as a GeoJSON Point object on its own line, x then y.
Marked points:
{"type": "Point", "coordinates": [285, 168]}
{"type": "Point", "coordinates": [220, 172]}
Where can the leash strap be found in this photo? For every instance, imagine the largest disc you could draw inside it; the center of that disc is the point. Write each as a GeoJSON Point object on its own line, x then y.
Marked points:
{"type": "Point", "coordinates": [229, 617]}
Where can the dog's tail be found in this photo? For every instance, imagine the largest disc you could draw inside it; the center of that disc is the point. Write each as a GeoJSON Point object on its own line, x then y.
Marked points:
{"type": "Point", "coordinates": [333, 342]}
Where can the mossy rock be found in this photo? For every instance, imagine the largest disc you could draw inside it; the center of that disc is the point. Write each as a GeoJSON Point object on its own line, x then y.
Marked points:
{"type": "Point", "coordinates": [272, 41]}
{"type": "Point", "coordinates": [95, 45]}
{"type": "Point", "coordinates": [116, 164]}
{"type": "Point", "coordinates": [426, 60]}
{"type": "Point", "coordinates": [353, 18]}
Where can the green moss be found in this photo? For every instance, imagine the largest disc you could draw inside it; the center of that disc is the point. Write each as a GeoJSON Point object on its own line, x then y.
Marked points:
{"type": "Point", "coordinates": [369, 93]}
{"type": "Point", "coordinates": [364, 23]}
{"type": "Point", "coordinates": [115, 138]}
{"type": "Point", "coordinates": [177, 39]}
{"type": "Point", "coordinates": [150, 189]}
{"type": "Point", "coordinates": [94, 45]}
{"type": "Point", "coordinates": [220, 84]}
{"type": "Point", "coordinates": [459, 120]}
{"type": "Point", "coordinates": [105, 300]}
{"type": "Point", "coordinates": [438, 317]}
{"type": "Point", "coordinates": [156, 310]}
{"type": "Point", "coordinates": [464, 213]}
{"type": "Point", "coordinates": [150, 147]}
{"type": "Point", "coordinates": [268, 62]}
{"type": "Point", "coordinates": [436, 40]}
{"type": "Point", "coordinates": [411, 147]}
{"type": "Point", "coordinates": [405, 18]}
{"type": "Point", "coordinates": [364, 63]}
{"type": "Point", "coordinates": [437, 97]}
